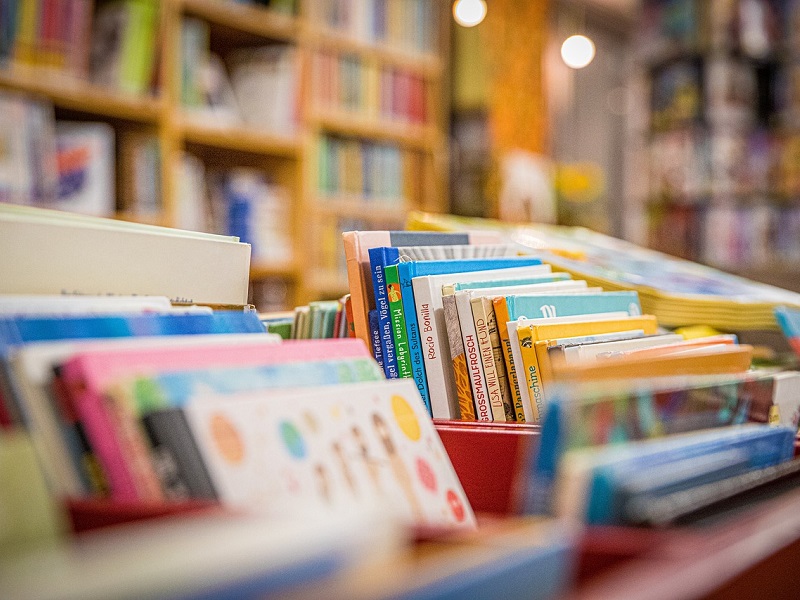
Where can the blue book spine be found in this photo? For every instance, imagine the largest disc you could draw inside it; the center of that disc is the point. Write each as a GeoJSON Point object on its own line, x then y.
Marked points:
{"type": "Point", "coordinates": [375, 336]}
{"type": "Point", "coordinates": [406, 271]}
{"type": "Point", "coordinates": [764, 446]}
{"type": "Point", "coordinates": [538, 495]}
{"type": "Point", "coordinates": [378, 259]}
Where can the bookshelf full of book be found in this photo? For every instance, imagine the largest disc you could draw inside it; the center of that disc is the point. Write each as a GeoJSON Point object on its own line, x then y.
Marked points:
{"type": "Point", "coordinates": [280, 122]}
{"type": "Point", "coordinates": [721, 137]}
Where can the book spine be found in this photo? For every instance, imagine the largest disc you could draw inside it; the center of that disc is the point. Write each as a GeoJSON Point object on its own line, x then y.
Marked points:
{"type": "Point", "coordinates": [530, 367]}
{"type": "Point", "coordinates": [378, 259]}
{"type": "Point", "coordinates": [405, 272]}
{"type": "Point", "coordinates": [466, 405]}
{"type": "Point", "coordinates": [426, 306]}
{"type": "Point", "coordinates": [499, 361]}
{"type": "Point", "coordinates": [394, 293]}
{"type": "Point", "coordinates": [374, 327]}
{"type": "Point", "coordinates": [472, 350]}
{"type": "Point", "coordinates": [179, 464]}
{"type": "Point", "coordinates": [481, 322]}
{"type": "Point", "coordinates": [502, 319]}
{"type": "Point", "coordinates": [546, 375]}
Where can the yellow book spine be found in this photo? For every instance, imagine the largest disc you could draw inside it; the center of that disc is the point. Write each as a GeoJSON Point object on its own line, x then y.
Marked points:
{"type": "Point", "coordinates": [501, 315]}
{"type": "Point", "coordinates": [530, 367]}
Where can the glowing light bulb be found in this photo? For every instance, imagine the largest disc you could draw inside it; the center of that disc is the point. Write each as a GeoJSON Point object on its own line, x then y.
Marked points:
{"type": "Point", "coordinates": [577, 51]}
{"type": "Point", "coordinates": [469, 13]}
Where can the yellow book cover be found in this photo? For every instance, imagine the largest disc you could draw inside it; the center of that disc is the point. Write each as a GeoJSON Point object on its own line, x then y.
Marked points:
{"type": "Point", "coordinates": [703, 361]}
{"type": "Point", "coordinates": [502, 318]}
{"type": "Point", "coordinates": [530, 333]}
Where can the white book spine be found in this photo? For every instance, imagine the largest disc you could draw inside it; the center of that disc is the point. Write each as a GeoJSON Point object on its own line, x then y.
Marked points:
{"type": "Point", "coordinates": [492, 382]}
{"type": "Point", "coordinates": [477, 377]}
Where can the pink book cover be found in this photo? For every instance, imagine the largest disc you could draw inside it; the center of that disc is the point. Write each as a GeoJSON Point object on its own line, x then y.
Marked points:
{"type": "Point", "coordinates": [87, 374]}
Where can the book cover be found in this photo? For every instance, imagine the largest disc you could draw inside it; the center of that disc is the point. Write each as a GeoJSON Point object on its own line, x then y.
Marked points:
{"type": "Point", "coordinates": [379, 258]}
{"type": "Point", "coordinates": [484, 345]}
{"type": "Point", "coordinates": [394, 295]}
{"type": "Point", "coordinates": [428, 299]}
{"type": "Point", "coordinates": [399, 459]}
{"type": "Point", "coordinates": [356, 248]}
{"type": "Point", "coordinates": [407, 270]}
{"type": "Point", "coordinates": [472, 351]}
{"type": "Point", "coordinates": [375, 330]}
{"type": "Point", "coordinates": [466, 406]}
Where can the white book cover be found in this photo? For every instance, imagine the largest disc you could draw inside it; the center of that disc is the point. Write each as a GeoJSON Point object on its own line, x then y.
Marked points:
{"type": "Point", "coordinates": [328, 447]}
{"type": "Point", "coordinates": [610, 349]}
{"type": "Point", "coordinates": [433, 331]}
{"type": "Point", "coordinates": [52, 256]}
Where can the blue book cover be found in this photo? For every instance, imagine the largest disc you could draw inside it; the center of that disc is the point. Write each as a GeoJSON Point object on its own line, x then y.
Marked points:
{"type": "Point", "coordinates": [567, 305]}
{"type": "Point", "coordinates": [378, 259]}
{"type": "Point", "coordinates": [479, 285]}
{"type": "Point", "coordinates": [761, 445]}
{"type": "Point", "coordinates": [375, 336]}
{"type": "Point", "coordinates": [406, 271]}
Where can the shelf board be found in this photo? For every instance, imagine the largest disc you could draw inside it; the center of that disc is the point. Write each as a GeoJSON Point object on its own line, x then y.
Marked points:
{"type": "Point", "coordinates": [260, 270]}
{"type": "Point", "coordinates": [371, 210]}
{"type": "Point", "coordinates": [75, 94]}
{"type": "Point", "coordinates": [244, 18]}
{"type": "Point", "coordinates": [239, 139]}
{"type": "Point", "coordinates": [416, 137]}
{"type": "Point", "coordinates": [427, 65]}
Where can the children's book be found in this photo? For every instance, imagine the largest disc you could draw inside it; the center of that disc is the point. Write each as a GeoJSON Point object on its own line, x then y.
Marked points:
{"type": "Point", "coordinates": [356, 249]}
{"type": "Point", "coordinates": [468, 410]}
{"type": "Point", "coordinates": [333, 446]}
{"type": "Point", "coordinates": [408, 270]}
{"type": "Point", "coordinates": [592, 482]}
{"type": "Point", "coordinates": [428, 300]}
{"type": "Point", "coordinates": [394, 296]}
{"type": "Point", "coordinates": [613, 412]}
{"type": "Point", "coordinates": [113, 429]}
{"type": "Point", "coordinates": [532, 330]}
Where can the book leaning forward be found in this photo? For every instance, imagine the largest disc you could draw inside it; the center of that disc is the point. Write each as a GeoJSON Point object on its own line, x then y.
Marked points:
{"type": "Point", "coordinates": [45, 253]}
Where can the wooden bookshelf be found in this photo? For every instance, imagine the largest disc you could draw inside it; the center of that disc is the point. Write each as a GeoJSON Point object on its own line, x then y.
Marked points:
{"type": "Point", "coordinates": [292, 161]}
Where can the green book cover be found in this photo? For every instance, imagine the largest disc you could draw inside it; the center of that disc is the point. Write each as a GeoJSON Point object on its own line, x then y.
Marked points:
{"type": "Point", "coordinates": [398, 318]}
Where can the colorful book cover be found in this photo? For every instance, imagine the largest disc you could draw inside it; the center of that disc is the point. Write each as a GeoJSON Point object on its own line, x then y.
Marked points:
{"type": "Point", "coordinates": [406, 271]}
{"type": "Point", "coordinates": [379, 258]}
{"type": "Point", "coordinates": [394, 294]}
{"type": "Point", "coordinates": [381, 445]}
{"type": "Point", "coordinates": [502, 318]}
{"type": "Point", "coordinates": [499, 362]}
{"type": "Point", "coordinates": [595, 414]}
{"type": "Point", "coordinates": [466, 406]}
{"type": "Point", "coordinates": [428, 300]}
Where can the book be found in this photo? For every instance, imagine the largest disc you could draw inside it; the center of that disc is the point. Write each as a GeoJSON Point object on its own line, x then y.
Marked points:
{"type": "Point", "coordinates": [467, 409]}
{"type": "Point", "coordinates": [356, 248]}
{"type": "Point", "coordinates": [48, 252]}
{"type": "Point", "coordinates": [31, 372]}
{"type": "Point", "coordinates": [475, 368]}
{"type": "Point", "coordinates": [535, 329]}
{"type": "Point", "coordinates": [110, 416]}
{"type": "Point", "coordinates": [492, 355]}
{"type": "Point", "coordinates": [406, 271]}
{"type": "Point", "coordinates": [85, 160]}
{"type": "Point", "coordinates": [394, 295]}
{"type": "Point", "coordinates": [428, 300]}
{"type": "Point", "coordinates": [590, 481]}
{"type": "Point", "coordinates": [379, 259]}
{"type": "Point", "coordinates": [400, 458]}
{"type": "Point", "coordinates": [598, 413]}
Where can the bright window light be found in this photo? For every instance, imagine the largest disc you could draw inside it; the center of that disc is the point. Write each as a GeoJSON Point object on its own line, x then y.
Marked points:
{"type": "Point", "coordinates": [469, 13]}
{"type": "Point", "coordinates": [577, 51]}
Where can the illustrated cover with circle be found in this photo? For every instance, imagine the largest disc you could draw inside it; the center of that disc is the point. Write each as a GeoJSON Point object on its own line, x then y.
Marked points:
{"type": "Point", "coordinates": [330, 448]}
